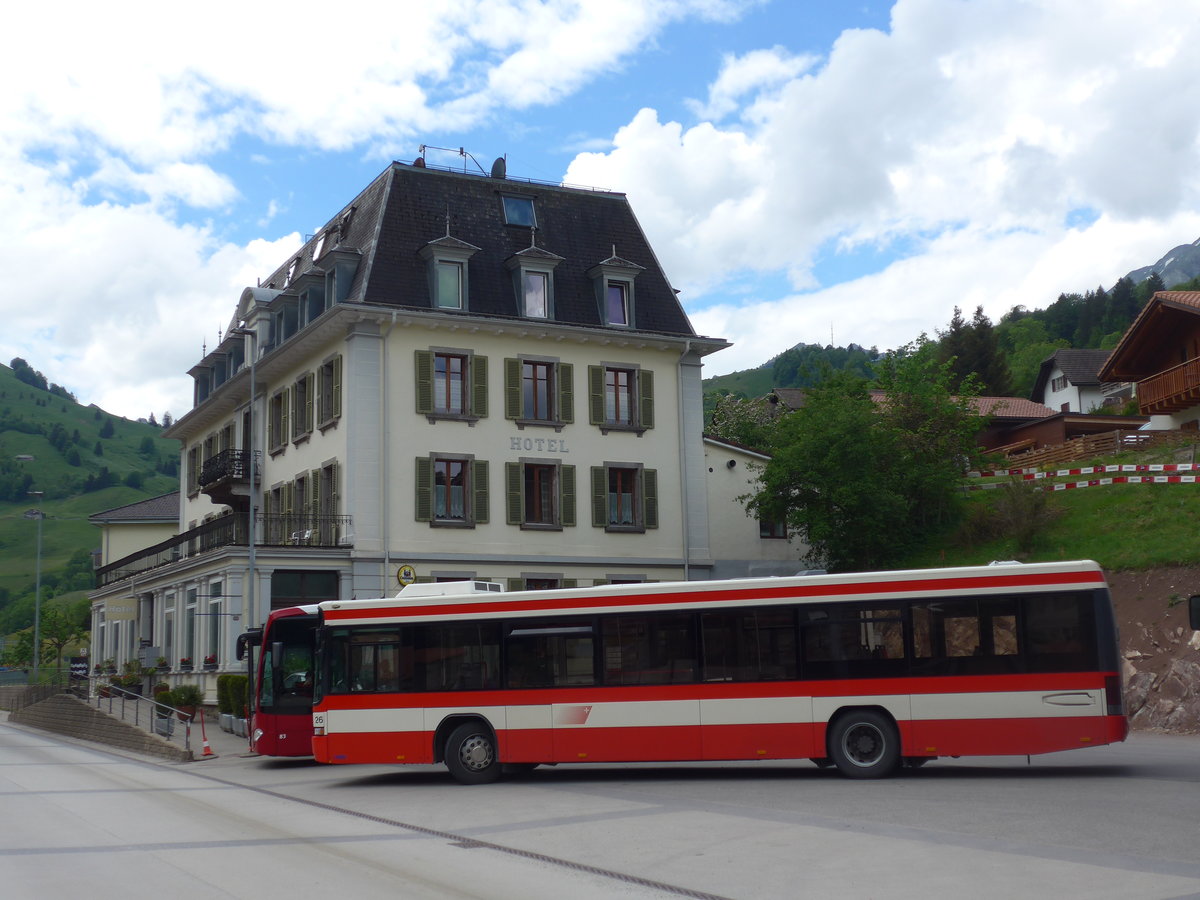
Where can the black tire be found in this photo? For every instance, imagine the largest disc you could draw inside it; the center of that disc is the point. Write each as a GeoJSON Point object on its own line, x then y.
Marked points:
{"type": "Point", "coordinates": [471, 754]}
{"type": "Point", "coordinates": [517, 770]}
{"type": "Point", "coordinates": [864, 743]}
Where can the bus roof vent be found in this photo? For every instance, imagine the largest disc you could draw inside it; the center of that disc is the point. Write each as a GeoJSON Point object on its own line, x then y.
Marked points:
{"type": "Point", "coordinates": [448, 589]}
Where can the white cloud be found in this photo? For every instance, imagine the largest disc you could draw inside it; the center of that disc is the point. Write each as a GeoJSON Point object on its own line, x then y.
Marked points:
{"type": "Point", "coordinates": [748, 74]}
{"type": "Point", "coordinates": [969, 130]}
{"type": "Point", "coordinates": [108, 134]}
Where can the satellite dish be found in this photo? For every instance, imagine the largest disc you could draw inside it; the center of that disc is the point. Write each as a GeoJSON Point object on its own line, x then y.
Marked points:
{"type": "Point", "coordinates": [499, 168]}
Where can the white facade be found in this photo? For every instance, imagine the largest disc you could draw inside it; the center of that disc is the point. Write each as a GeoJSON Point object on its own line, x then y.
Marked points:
{"type": "Point", "coordinates": [362, 482]}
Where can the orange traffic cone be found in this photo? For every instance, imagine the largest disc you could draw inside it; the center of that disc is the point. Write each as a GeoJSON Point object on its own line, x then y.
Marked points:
{"type": "Point", "coordinates": [204, 738]}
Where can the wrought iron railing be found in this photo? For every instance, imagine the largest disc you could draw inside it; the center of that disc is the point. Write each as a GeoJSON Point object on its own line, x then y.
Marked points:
{"type": "Point", "coordinates": [230, 530]}
{"type": "Point", "coordinates": [231, 464]}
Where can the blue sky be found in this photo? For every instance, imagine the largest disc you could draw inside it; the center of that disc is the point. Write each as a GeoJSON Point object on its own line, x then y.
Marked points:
{"type": "Point", "coordinates": [806, 170]}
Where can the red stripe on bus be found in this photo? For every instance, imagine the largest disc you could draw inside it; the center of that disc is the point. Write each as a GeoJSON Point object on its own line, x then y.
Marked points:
{"type": "Point", "coordinates": [582, 602]}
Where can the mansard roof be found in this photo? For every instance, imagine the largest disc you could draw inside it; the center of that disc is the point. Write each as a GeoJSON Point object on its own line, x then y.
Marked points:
{"type": "Point", "coordinates": [408, 207]}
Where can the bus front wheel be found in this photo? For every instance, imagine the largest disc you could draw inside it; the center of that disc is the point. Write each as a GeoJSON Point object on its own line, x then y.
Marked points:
{"type": "Point", "coordinates": [864, 743]}
{"type": "Point", "coordinates": [471, 754]}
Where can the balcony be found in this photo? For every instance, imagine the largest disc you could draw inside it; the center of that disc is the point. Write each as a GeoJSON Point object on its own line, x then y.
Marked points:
{"type": "Point", "coordinates": [230, 530]}
{"type": "Point", "coordinates": [1171, 390]}
{"type": "Point", "coordinates": [226, 477]}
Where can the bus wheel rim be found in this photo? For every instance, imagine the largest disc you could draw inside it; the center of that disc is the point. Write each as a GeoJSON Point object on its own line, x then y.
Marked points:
{"type": "Point", "coordinates": [863, 744]}
{"type": "Point", "coordinates": [476, 752]}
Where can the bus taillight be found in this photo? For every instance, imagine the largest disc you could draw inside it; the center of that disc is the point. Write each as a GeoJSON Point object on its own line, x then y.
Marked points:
{"type": "Point", "coordinates": [1113, 695]}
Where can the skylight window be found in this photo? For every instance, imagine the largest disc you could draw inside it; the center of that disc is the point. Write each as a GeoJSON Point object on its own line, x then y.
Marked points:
{"type": "Point", "coordinates": [295, 264]}
{"type": "Point", "coordinates": [519, 211]}
{"type": "Point", "coordinates": [319, 246]}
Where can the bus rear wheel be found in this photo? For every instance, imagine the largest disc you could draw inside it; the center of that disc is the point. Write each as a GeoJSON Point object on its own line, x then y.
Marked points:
{"type": "Point", "coordinates": [471, 754]}
{"type": "Point", "coordinates": [864, 743]}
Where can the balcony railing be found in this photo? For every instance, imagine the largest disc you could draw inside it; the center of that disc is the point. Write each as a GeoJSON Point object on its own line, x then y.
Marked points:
{"type": "Point", "coordinates": [1175, 389]}
{"type": "Point", "coordinates": [230, 531]}
{"type": "Point", "coordinates": [231, 464]}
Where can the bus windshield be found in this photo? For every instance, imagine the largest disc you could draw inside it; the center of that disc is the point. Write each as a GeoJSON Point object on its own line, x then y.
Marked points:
{"type": "Point", "coordinates": [287, 667]}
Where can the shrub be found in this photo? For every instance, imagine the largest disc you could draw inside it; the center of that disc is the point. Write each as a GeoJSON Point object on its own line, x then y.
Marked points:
{"type": "Point", "coordinates": [187, 695]}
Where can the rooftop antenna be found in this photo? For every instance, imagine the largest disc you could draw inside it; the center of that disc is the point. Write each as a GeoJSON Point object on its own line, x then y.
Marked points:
{"type": "Point", "coordinates": [460, 151]}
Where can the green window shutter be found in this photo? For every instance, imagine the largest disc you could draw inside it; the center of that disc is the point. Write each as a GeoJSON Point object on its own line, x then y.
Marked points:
{"type": "Point", "coordinates": [479, 386]}
{"type": "Point", "coordinates": [512, 493]}
{"type": "Point", "coordinates": [566, 392]}
{"type": "Point", "coordinates": [566, 495]}
{"type": "Point", "coordinates": [337, 386]}
{"type": "Point", "coordinates": [650, 498]}
{"type": "Point", "coordinates": [283, 416]}
{"type": "Point", "coordinates": [512, 388]}
{"type": "Point", "coordinates": [516, 584]}
{"type": "Point", "coordinates": [310, 396]}
{"type": "Point", "coordinates": [479, 484]}
{"type": "Point", "coordinates": [424, 489]}
{"type": "Point", "coordinates": [314, 491]}
{"type": "Point", "coordinates": [596, 395]}
{"type": "Point", "coordinates": [289, 499]}
{"type": "Point", "coordinates": [424, 381]}
{"type": "Point", "coordinates": [646, 398]}
{"type": "Point", "coordinates": [334, 486]}
{"type": "Point", "coordinates": [599, 496]}
{"type": "Point", "coordinates": [570, 582]}
{"type": "Point", "coordinates": [597, 582]}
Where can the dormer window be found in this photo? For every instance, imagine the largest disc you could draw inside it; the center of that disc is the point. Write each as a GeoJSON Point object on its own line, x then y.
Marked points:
{"type": "Point", "coordinates": [616, 310]}
{"type": "Point", "coordinates": [319, 246]}
{"type": "Point", "coordinates": [450, 280]}
{"type": "Point", "coordinates": [449, 284]}
{"type": "Point", "coordinates": [613, 279]}
{"type": "Point", "coordinates": [518, 210]}
{"type": "Point", "coordinates": [533, 281]}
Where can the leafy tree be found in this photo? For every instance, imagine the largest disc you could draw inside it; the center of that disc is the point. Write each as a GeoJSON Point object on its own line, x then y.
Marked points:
{"type": "Point", "coordinates": [27, 373]}
{"type": "Point", "coordinates": [863, 480]}
{"type": "Point", "coordinates": [18, 651]}
{"type": "Point", "coordinates": [58, 629]}
{"type": "Point", "coordinates": [750, 423]}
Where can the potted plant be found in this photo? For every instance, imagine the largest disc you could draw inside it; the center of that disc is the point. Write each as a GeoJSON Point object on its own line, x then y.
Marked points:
{"type": "Point", "coordinates": [185, 664]}
{"type": "Point", "coordinates": [161, 664]}
{"type": "Point", "coordinates": [187, 699]}
{"type": "Point", "coordinates": [210, 662]}
{"type": "Point", "coordinates": [110, 666]}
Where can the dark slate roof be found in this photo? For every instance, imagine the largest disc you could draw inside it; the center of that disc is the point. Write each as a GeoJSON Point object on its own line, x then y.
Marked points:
{"type": "Point", "coordinates": [1082, 367]}
{"type": "Point", "coordinates": [406, 207]}
{"type": "Point", "coordinates": [165, 507]}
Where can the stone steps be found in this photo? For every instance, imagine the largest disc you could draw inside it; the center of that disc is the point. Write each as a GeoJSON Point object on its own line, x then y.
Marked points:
{"type": "Point", "coordinates": [70, 716]}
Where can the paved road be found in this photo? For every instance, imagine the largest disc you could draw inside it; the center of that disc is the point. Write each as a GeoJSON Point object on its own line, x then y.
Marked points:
{"type": "Point", "coordinates": [1118, 822]}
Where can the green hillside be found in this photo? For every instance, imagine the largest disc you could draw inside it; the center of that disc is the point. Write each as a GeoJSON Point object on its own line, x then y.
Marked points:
{"type": "Point", "coordinates": [84, 461]}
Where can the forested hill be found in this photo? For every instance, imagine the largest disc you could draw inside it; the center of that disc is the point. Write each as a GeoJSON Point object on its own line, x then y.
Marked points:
{"type": "Point", "coordinates": [81, 461]}
{"type": "Point", "coordinates": [1005, 356]}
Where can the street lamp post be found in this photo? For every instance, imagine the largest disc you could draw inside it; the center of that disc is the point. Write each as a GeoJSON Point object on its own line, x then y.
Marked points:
{"type": "Point", "coordinates": [37, 591]}
{"type": "Point", "coordinates": [249, 438]}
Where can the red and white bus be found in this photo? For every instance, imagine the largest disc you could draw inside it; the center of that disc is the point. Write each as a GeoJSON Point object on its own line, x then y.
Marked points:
{"type": "Point", "coordinates": [281, 668]}
{"type": "Point", "coordinates": [865, 671]}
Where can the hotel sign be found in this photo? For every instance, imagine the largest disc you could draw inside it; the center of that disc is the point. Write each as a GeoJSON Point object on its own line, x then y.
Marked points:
{"type": "Point", "coordinates": [120, 610]}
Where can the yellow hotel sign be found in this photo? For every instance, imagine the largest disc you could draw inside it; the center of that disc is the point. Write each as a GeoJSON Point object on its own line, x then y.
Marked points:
{"type": "Point", "coordinates": [120, 610]}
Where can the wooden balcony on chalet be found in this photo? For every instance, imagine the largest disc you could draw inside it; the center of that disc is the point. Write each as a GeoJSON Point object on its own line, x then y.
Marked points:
{"type": "Point", "coordinates": [1171, 390]}
{"type": "Point", "coordinates": [226, 477]}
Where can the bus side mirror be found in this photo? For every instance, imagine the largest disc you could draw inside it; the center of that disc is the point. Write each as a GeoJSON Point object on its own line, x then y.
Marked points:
{"type": "Point", "coordinates": [1194, 612]}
